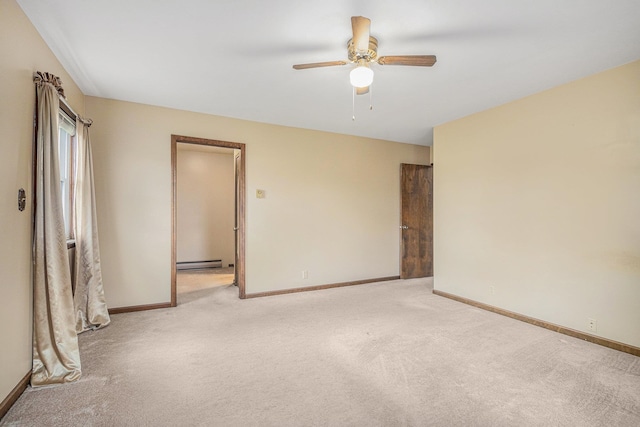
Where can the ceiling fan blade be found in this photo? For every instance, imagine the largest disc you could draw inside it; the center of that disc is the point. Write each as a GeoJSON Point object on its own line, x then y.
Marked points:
{"type": "Point", "coordinates": [412, 60]}
{"type": "Point", "coordinates": [362, 90]}
{"type": "Point", "coordinates": [318, 65]}
{"type": "Point", "coordinates": [360, 26]}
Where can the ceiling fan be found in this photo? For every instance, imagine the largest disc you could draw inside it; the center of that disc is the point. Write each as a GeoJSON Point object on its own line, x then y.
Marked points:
{"type": "Point", "coordinates": [362, 50]}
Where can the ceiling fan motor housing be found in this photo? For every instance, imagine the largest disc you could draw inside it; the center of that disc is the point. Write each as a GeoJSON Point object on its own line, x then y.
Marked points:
{"type": "Point", "coordinates": [370, 55]}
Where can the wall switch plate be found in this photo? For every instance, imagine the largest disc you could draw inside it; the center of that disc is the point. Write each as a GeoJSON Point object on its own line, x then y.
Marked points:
{"type": "Point", "coordinates": [260, 194]}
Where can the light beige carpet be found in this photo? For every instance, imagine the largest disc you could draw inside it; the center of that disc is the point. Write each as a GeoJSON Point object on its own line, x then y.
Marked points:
{"type": "Point", "coordinates": [384, 354]}
{"type": "Point", "coordinates": [195, 280]}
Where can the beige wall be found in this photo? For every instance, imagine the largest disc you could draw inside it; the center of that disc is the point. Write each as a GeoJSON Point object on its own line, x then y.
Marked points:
{"type": "Point", "coordinates": [206, 198]}
{"type": "Point", "coordinates": [540, 199]}
{"type": "Point", "coordinates": [22, 52]}
{"type": "Point", "coordinates": [331, 206]}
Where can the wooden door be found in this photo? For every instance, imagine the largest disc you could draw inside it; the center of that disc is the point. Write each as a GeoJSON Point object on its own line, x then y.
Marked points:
{"type": "Point", "coordinates": [416, 183]}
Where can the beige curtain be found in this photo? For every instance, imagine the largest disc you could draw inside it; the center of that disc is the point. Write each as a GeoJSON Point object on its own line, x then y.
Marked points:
{"type": "Point", "coordinates": [56, 357]}
{"type": "Point", "coordinates": [90, 306]}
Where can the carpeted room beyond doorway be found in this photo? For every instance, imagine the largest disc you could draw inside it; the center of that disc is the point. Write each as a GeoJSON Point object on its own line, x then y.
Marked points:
{"type": "Point", "coordinates": [383, 354]}
{"type": "Point", "coordinates": [196, 280]}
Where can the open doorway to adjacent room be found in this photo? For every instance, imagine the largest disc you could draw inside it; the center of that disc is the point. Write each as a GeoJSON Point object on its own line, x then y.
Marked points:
{"type": "Point", "coordinates": [208, 215]}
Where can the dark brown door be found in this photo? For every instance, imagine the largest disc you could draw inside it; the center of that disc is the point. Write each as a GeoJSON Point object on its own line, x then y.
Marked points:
{"type": "Point", "coordinates": [417, 221]}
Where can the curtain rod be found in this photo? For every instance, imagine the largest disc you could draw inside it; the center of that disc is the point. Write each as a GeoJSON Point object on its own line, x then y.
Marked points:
{"type": "Point", "coordinates": [87, 122]}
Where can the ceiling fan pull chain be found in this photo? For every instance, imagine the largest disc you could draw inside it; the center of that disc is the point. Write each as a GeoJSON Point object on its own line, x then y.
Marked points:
{"type": "Point", "coordinates": [370, 97]}
{"type": "Point", "coordinates": [353, 105]}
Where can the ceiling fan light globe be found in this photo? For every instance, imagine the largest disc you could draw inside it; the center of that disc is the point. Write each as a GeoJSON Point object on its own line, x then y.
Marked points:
{"type": "Point", "coordinates": [361, 76]}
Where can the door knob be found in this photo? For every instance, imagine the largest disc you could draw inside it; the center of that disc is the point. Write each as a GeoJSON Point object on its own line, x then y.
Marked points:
{"type": "Point", "coordinates": [404, 227]}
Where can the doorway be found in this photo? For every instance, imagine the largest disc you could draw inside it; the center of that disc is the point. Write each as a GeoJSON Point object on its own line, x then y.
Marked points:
{"type": "Point", "coordinates": [416, 189]}
{"type": "Point", "coordinates": [237, 224]}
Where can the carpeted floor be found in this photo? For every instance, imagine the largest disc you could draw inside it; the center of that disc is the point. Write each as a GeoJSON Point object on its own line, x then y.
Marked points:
{"type": "Point", "coordinates": [195, 280]}
{"type": "Point", "coordinates": [383, 354]}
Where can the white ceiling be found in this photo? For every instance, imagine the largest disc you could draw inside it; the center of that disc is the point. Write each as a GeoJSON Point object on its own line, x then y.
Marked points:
{"type": "Point", "coordinates": [233, 57]}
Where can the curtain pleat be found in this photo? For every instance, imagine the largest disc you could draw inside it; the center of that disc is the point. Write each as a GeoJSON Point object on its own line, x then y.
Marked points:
{"type": "Point", "coordinates": [90, 305]}
{"type": "Point", "coordinates": [56, 357]}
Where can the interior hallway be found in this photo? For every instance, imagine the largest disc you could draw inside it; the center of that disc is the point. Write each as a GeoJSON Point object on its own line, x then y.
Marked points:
{"type": "Point", "coordinates": [196, 280]}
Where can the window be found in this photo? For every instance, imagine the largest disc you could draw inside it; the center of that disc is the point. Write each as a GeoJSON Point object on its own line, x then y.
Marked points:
{"type": "Point", "coordinates": [66, 154]}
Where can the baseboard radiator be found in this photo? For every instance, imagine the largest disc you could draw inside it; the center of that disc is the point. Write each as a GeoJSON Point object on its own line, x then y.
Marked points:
{"type": "Point", "coordinates": [199, 265]}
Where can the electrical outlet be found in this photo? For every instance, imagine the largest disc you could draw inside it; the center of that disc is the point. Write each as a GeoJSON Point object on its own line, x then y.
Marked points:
{"type": "Point", "coordinates": [592, 325]}
{"type": "Point", "coordinates": [305, 274]}
{"type": "Point", "coordinates": [492, 290]}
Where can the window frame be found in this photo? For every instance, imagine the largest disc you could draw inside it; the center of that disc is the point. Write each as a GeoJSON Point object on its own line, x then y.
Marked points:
{"type": "Point", "coordinates": [65, 112]}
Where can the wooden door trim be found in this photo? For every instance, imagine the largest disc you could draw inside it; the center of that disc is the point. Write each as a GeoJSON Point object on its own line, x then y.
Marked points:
{"type": "Point", "coordinates": [175, 139]}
